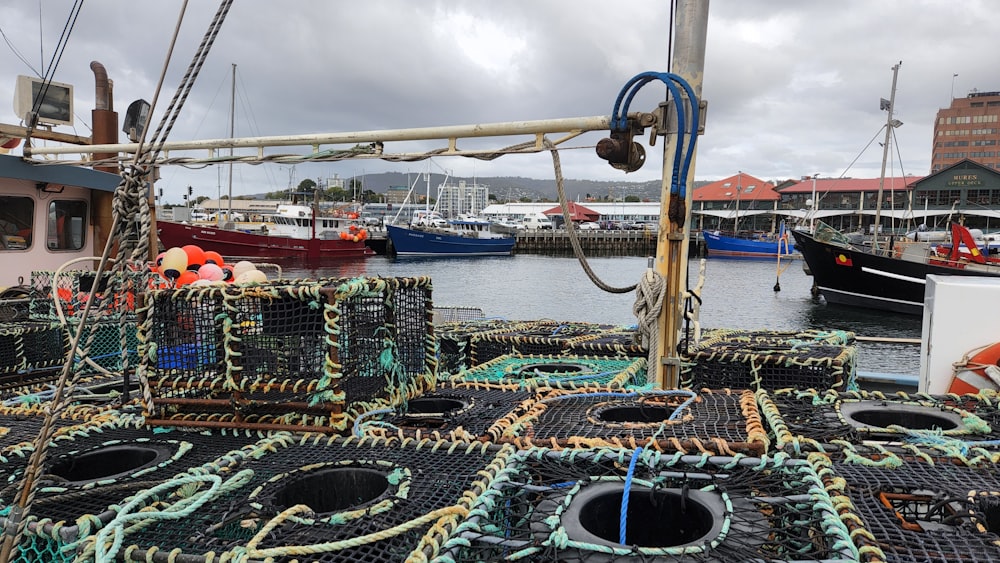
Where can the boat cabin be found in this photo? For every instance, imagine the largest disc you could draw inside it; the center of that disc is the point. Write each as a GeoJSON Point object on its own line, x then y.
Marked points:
{"type": "Point", "coordinates": [46, 216]}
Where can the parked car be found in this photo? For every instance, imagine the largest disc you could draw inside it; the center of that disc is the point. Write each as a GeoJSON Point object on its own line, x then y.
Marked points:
{"type": "Point", "coordinates": [588, 226]}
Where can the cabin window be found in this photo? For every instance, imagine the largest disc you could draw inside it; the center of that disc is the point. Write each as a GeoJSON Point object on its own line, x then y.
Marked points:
{"type": "Point", "coordinates": [67, 225]}
{"type": "Point", "coordinates": [16, 215]}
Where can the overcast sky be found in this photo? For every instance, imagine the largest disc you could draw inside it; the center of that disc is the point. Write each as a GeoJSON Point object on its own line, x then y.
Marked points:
{"type": "Point", "coordinates": [792, 87]}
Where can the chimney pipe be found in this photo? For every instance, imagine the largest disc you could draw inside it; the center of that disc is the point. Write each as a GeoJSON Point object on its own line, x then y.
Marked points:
{"type": "Point", "coordinates": [102, 95]}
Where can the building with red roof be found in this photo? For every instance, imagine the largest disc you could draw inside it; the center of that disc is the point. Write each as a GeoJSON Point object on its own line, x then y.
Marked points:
{"type": "Point", "coordinates": [738, 203]}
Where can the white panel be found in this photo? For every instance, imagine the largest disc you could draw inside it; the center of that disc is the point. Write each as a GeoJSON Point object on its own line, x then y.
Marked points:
{"type": "Point", "coordinates": [961, 314]}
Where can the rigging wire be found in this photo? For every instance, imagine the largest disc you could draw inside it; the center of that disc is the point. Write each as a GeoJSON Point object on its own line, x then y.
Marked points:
{"type": "Point", "coordinates": [53, 65]}
{"type": "Point", "coordinates": [18, 54]}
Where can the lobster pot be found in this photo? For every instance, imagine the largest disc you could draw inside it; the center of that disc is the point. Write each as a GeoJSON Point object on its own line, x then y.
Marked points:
{"type": "Point", "coordinates": [115, 297]}
{"type": "Point", "coordinates": [568, 506]}
{"type": "Point", "coordinates": [100, 348]}
{"type": "Point", "coordinates": [531, 338]}
{"type": "Point", "coordinates": [454, 339]}
{"type": "Point", "coordinates": [289, 356]}
{"type": "Point", "coordinates": [372, 500]}
{"type": "Point", "coordinates": [457, 412]}
{"type": "Point", "coordinates": [91, 476]}
{"type": "Point", "coordinates": [617, 343]}
{"type": "Point", "coordinates": [810, 420]}
{"type": "Point", "coordinates": [771, 360]}
{"type": "Point", "coordinates": [558, 372]}
{"type": "Point", "coordinates": [30, 346]}
{"type": "Point", "coordinates": [716, 422]}
{"type": "Point", "coordinates": [908, 505]}
{"type": "Point", "coordinates": [443, 315]}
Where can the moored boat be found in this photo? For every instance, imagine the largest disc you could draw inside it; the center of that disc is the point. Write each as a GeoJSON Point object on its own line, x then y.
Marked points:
{"type": "Point", "coordinates": [891, 279]}
{"type": "Point", "coordinates": [462, 237]}
{"type": "Point", "coordinates": [296, 231]}
{"type": "Point", "coordinates": [720, 245]}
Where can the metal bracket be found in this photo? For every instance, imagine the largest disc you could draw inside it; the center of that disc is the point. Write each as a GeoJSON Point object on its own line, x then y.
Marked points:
{"type": "Point", "coordinates": [670, 361]}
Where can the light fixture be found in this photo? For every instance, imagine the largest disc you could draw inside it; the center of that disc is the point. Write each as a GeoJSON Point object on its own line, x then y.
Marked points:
{"type": "Point", "coordinates": [49, 188]}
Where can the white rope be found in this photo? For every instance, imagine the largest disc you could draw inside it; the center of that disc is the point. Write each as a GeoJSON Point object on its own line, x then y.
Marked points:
{"type": "Point", "coordinates": [649, 295]}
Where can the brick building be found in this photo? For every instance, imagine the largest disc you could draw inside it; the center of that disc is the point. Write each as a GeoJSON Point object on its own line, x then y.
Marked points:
{"type": "Point", "coordinates": [969, 129]}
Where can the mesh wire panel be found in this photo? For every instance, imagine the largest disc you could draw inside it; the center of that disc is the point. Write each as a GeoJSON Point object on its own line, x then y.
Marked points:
{"type": "Point", "coordinates": [457, 314]}
{"type": "Point", "coordinates": [284, 355]}
{"type": "Point", "coordinates": [910, 506]}
{"type": "Point", "coordinates": [89, 472]}
{"type": "Point", "coordinates": [103, 343]}
{"type": "Point", "coordinates": [558, 372]}
{"type": "Point", "coordinates": [532, 338]}
{"type": "Point", "coordinates": [771, 360]}
{"type": "Point", "coordinates": [454, 341]}
{"type": "Point", "coordinates": [371, 500]}
{"type": "Point", "coordinates": [567, 506]}
{"type": "Point", "coordinates": [612, 343]}
{"type": "Point", "coordinates": [20, 425]}
{"type": "Point", "coordinates": [723, 422]}
{"type": "Point", "coordinates": [463, 412]}
{"type": "Point", "coordinates": [30, 346]}
{"type": "Point", "coordinates": [810, 420]}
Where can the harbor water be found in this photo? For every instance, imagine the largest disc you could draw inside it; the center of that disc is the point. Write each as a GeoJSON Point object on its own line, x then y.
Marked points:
{"type": "Point", "coordinates": [737, 294]}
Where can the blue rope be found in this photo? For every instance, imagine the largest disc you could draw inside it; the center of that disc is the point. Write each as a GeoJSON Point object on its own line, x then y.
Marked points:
{"type": "Point", "coordinates": [680, 409]}
{"type": "Point", "coordinates": [628, 485]}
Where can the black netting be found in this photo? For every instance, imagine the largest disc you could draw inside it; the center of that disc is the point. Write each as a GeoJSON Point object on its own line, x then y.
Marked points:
{"type": "Point", "coordinates": [717, 422]}
{"type": "Point", "coordinates": [456, 412]}
{"type": "Point", "coordinates": [566, 506]}
{"type": "Point", "coordinates": [917, 509]}
{"type": "Point", "coordinates": [91, 470]}
{"type": "Point", "coordinates": [532, 338]}
{"type": "Point", "coordinates": [818, 421]}
{"type": "Point", "coordinates": [454, 341]}
{"type": "Point", "coordinates": [371, 501]}
{"type": "Point", "coordinates": [28, 346]}
{"type": "Point", "coordinates": [771, 360]}
{"type": "Point", "coordinates": [612, 343]}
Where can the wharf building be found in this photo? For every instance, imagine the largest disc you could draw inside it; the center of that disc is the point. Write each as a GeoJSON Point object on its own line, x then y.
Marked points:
{"type": "Point", "coordinates": [968, 129]}
{"type": "Point", "coordinates": [967, 192]}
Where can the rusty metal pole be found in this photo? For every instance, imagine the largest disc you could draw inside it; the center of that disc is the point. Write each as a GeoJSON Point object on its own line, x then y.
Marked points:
{"type": "Point", "coordinates": [672, 247]}
{"type": "Point", "coordinates": [105, 124]}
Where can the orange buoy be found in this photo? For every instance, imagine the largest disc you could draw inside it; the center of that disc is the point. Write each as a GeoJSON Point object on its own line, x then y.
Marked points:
{"type": "Point", "coordinates": [981, 371]}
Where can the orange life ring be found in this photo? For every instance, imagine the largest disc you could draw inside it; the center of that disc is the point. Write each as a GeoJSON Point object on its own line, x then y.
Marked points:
{"type": "Point", "coordinates": [981, 371]}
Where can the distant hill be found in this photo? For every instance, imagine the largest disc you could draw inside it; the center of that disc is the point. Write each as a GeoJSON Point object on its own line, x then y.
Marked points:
{"type": "Point", "coordinates": [513, 188]}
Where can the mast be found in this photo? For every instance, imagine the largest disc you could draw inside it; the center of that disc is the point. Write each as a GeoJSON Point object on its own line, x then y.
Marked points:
{"type": "Point", "coordinates": [672, 247]}
{"type": "Point", "coordinates": [885, 153]}
{"type": "Point", "coordinates": [232, 120]}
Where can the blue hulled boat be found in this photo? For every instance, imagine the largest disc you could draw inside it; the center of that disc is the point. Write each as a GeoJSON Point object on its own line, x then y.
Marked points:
{"type": "Point", "coordinates": [464, 237]}
{"type": "Point", "coordinates": [720, 245]}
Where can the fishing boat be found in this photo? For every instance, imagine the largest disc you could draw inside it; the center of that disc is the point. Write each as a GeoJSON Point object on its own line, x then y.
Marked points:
{"type": "Point", "coordinates": [891, 279]}
{"type": "Point", "coordinates": [718, 244]}
{"type": "Point", "coordinates": [465, 236]}
{"type": "Point", "coordinates": [297, 231]}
